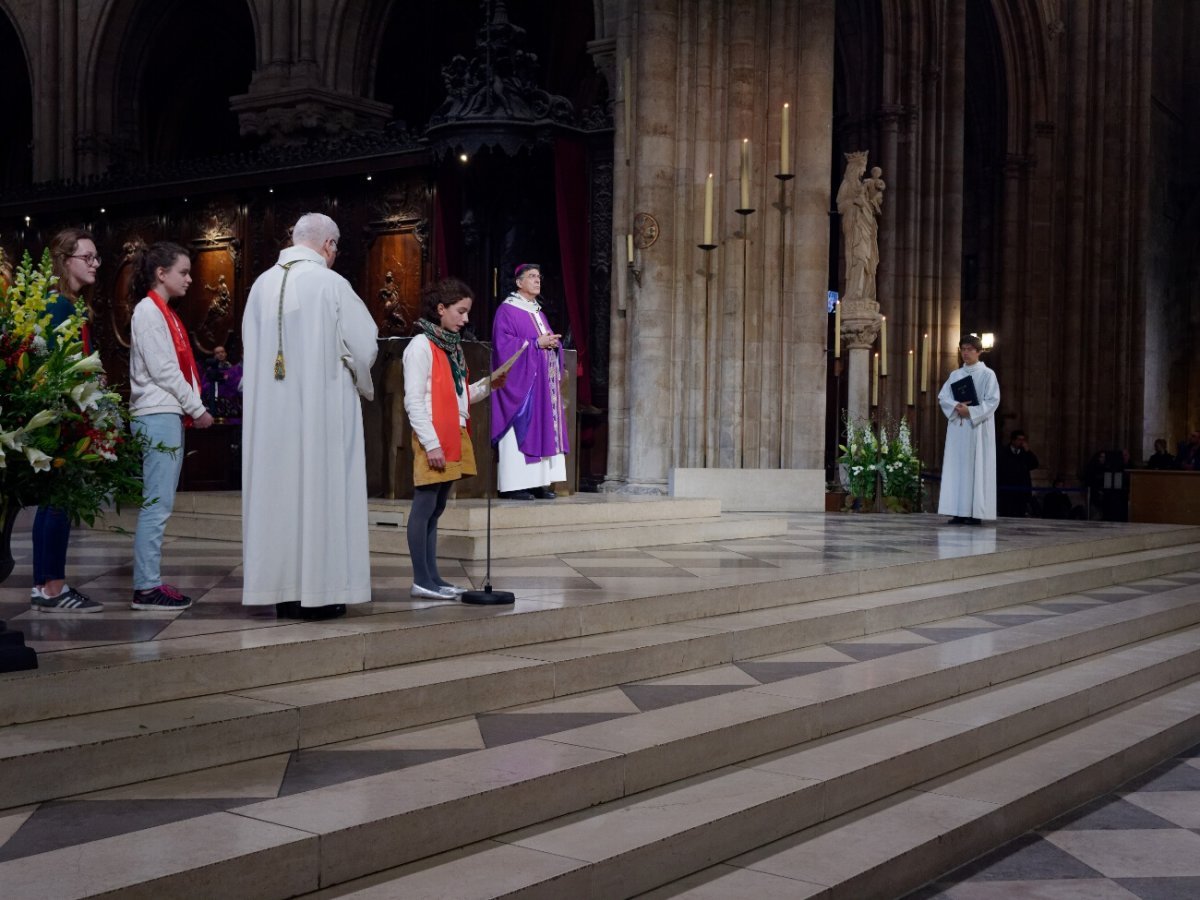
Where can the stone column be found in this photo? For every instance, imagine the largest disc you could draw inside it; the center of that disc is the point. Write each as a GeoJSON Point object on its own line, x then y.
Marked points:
{"type": "Point", "coordinates": [651, 392]}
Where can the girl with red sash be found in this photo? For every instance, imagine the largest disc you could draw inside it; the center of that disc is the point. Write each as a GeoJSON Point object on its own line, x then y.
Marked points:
{"type": "Point", "coordinates": [437, 399]}
{"type": "Point", "coordinates": [164, 398]}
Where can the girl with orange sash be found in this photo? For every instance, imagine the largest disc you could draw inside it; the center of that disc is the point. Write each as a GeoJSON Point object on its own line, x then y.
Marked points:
{"type": "Point", "coordinates": [437, 399]}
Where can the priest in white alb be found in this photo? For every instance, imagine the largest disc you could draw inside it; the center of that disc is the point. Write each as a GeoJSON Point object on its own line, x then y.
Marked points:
{"type": "Point", "coordinates": [968, 492]}
{"type": "Point", "coordinates": [309, 345]}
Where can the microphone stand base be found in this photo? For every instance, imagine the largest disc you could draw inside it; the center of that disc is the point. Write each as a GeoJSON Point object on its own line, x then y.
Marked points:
{"type": "Point", "coordinates": [488, 597]}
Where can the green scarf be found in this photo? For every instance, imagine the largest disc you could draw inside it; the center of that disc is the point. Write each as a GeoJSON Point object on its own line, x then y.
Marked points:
{"type": "Point", "coordinates": [451, 342]}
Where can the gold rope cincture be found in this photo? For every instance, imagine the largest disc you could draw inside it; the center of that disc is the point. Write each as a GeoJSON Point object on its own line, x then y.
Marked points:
{"type": "Point", "coordinates": [280, 368]}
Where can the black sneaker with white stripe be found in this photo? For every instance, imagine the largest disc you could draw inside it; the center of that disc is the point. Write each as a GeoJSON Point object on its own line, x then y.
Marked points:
{"type": "Point", "coordinates": [68, 600]}
{"type": "Point", "coordinates": [162, 597]}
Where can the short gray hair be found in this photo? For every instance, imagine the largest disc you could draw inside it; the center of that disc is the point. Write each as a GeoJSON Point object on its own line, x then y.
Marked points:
{"type": "Point", "coordinates": [314, 229]}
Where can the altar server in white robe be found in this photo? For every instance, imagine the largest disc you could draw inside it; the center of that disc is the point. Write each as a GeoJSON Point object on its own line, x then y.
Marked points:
{"type": "Point", "coordinates": [309, 345]}
{"type": "Point", "coordinates": [969, 465]}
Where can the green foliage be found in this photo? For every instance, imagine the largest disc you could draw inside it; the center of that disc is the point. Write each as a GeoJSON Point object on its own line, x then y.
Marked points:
{"type": "Point", "coordinates": [892, 458]}
{"type": "Point", "coordinates": [63, 437]}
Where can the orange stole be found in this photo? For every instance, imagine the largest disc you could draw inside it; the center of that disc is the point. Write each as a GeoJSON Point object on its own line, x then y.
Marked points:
{"type": "Point", "coordinates": [443, 403]}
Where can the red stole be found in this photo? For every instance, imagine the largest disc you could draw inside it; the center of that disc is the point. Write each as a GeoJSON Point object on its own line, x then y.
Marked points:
{"type": "Point", "coordinates": [443, 404]}
{"type": "Point", "coordinates": [183, 347]}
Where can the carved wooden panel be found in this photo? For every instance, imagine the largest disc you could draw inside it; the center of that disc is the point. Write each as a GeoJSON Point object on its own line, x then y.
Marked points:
{"type": "Point", "coordinates": [393, 280]}
{"type": "Point", "coordinates": [210, 309]}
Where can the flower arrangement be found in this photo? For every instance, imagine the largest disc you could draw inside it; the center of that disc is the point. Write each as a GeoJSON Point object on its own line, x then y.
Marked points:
{"type": "Point", "coordinates": [63, 440]}
{"type": "Point", "coordinates": [860, 457]}
{"type": "Point", "coordinates": [900, 469]}
{"type": "Point", "coordinates": [890, 457]}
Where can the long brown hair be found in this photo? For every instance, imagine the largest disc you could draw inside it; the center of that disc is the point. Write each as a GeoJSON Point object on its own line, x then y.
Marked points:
{"type": "Point", "coordinates": [147, 261]}
{"type": "Point", "coordinates": [62, 246]}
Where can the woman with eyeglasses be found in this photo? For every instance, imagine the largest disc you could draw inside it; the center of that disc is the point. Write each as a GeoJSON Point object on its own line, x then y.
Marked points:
{"type": "Point", "coordinates": [75, 260]}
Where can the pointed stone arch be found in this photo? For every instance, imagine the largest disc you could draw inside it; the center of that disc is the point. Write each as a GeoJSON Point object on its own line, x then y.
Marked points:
{"type": "Point", "coordinates": [16, 151]}
{"type": "Point", "coordinates": [120, 53]}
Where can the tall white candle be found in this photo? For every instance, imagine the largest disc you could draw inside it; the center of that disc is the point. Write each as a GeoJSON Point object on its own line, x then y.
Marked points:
{"type": "Point", "coordinates": [883, 345]}
{"type": "Point", "coordinates": [745, 174]}
{"type": "Point", "coordinates": [784, 161]}
{"type": "Point", "coordinates": [924, 363]}
{"type": "Point", "coordinates": [629, 249]}
{"type": "Point", "coordinates": [708, 209]}
{"type": "Point", "coordinates": [910, 396]}
{"type": "Point", "coordinates": [875, 381]}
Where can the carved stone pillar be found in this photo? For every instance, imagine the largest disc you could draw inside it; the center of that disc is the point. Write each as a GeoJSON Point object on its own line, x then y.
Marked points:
{"type": "Point", "coordinates": [860, 328]}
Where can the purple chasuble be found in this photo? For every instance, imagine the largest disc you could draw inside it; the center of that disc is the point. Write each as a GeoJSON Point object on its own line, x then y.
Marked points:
{"type": "Point", "coordinates": [531, 401]}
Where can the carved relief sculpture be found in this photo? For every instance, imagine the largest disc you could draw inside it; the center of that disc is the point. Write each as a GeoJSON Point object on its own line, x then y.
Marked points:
{"type": "Point", "coordinates": [390, 308]}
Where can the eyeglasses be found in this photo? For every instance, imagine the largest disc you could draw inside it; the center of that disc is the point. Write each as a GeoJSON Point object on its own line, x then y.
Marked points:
{"type": "Point", "coordinates": [89, 259]}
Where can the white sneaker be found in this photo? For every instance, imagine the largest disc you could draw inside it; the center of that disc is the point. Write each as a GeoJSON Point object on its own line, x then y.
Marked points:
{"type": "Point", "coordinates": [425, 593]}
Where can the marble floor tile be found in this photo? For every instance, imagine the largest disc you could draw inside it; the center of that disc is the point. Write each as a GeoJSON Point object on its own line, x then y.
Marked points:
{"type": "Point", "coordinates": [253, 779]}
{"type": "Point", "coordinates": [11, 821]}
{"type": "Point", "coordinates": [1030, 857]}
{"type": "Point", "coordinates": [309, 770]}
{"type": "Point", "coordinates": [767, 672]}
{"type": "Point", "coordinates": [1109, 813]}
{"type": "Point", "coordinates": [658, 696]}
{"type": "Point", "coordinates": [456, 733]}
{"type": "Point", "coordinates": [1162, 888]}
{"type": "Point", "coordinates": [1180, 808]}
{"type": "Point", "coordinates": [1074, 889]}
{"type": "Point", "coordinates": [1134, 854]}
{"type": "Point", "coordinates": [719, 675]}
{"type": "Point", "coordinates": [1173, 775]}
{"type": "Point", "coordinates": [498, 729]}
{"type": "Point", "coordinates": [605, 700]}
{"type": "Point", "coordinates": [62, 823]}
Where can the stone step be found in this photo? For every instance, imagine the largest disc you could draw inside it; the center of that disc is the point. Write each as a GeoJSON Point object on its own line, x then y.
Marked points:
{"type": "Point", "coordinates": [758, 619]}
{"type": "Point", "coordinates": [580, 523]}
{"type": "Point", "coordinates": [280, 848]}
{"type": "Point", "coordinates": [75, 754]}
{"type": "Point", "coordinates": [629, 846]}
{"type": "Point", "coordinates": [897, 844]}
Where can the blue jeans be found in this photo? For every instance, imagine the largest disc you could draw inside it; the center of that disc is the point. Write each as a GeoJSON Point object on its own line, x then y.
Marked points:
{"type": "Point", "coordinates": [160, 478]}
{"type": "Point", "coordinates": [51, 531]}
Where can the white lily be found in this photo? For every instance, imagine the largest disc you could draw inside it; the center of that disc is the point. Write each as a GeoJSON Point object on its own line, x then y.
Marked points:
{"type": "Point", "coordinates": [45, 417]}
{"type": "Point", "coordinates": [87, 364]}
{"type": "Point", "coordinates": [86, 395]}
{"type": "Point", "coordinates": [39, 460]}
{"type": "Point", "coordinates": [13, 440]}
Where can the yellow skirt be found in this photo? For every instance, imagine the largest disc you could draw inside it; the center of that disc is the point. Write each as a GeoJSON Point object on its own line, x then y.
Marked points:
{"type": "Point", "coordinates": [424, 474]}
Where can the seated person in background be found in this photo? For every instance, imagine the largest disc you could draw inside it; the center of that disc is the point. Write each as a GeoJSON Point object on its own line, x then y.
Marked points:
{"type": "Point", "coordinates": [1056, 504]}
{"type": "Point", "coordinates": [222, 385]}
{"type": "Point", "coordinates": [1161, 458]}
{"type": "Point", "coordinates": [1189, 453]}
{"type": "Point", "coordinates": [1014, 470]}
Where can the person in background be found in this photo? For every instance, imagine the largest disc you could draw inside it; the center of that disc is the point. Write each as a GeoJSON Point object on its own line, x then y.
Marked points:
{"type": "Point", "coordinates": [308, 345]}
{"type": "Point", "coordinates": [164, 399]}
{"type": "Point", "coordinates": [1188, 458]}
{"type": "Point", "coordinates": [529, 422]}
{"type": "Point", "coordinates": [1161, 459]}
{"type": "Point", "coordinates": [76, 262]}
{"type": "Point", "coordinates": [968, 492]}
{"type": "Point", "coordinates": [437, 399]}
{"type": "Point", "coordinates": [1014, 467]}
